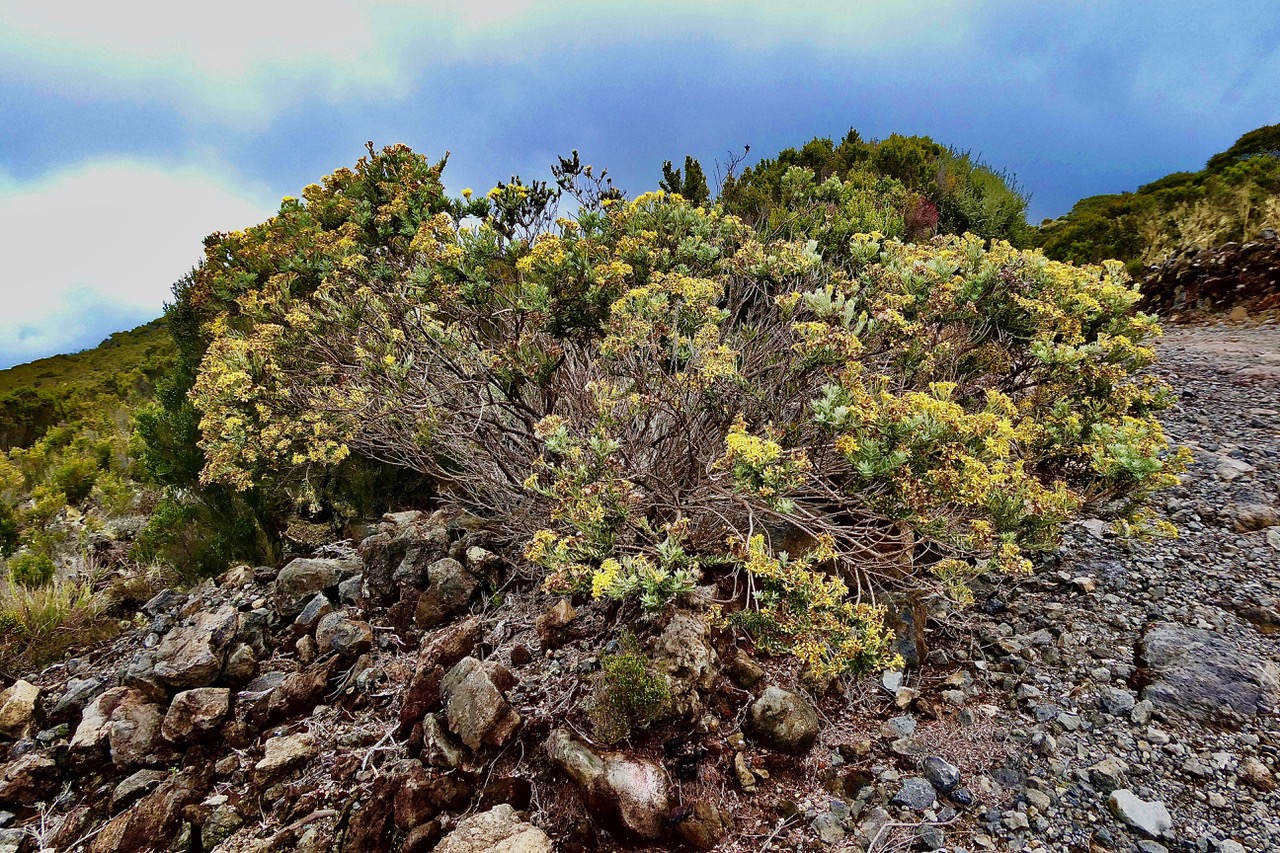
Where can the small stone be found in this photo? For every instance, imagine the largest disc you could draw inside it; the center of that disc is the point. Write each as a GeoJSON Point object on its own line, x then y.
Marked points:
{"type": "Point", "coordinates": [941, 774]}
{"type": "Point", "coordinates": [891, 680]}
{"type": "Point", "coordinates": [916, 794]}
{"type": "Point", "coordinates": [898, 727]}
{"type": "Point", "coordinates": [283, 754]}
{"type": "Point", "coordinates": [1256, 774]}
{"type": "Point", "coordinates": [784, 721]}
{"type": "Point", "coordinates": [17, 708]}
{"type": "Point", "coordinates": [1150, 818]}
{"type": "Point", "coordinates": [1108, 774]}
{"type": "Point", "coordinates": [1141, 713]}
{"type": "Point", "coordinates": [828, 828]}
{"type": "Point", "coordinates": [1115, 701]}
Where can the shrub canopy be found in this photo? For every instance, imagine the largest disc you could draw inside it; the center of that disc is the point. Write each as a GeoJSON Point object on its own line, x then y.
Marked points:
{"type": "Point", "coordinates": [652, 391]}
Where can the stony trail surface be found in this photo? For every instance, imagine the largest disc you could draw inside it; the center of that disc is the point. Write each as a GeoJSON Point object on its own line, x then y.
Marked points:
{"type": "Point", "coordinates": [1150, 669]}
{"type": "Point", "coordinates": [417, 694]}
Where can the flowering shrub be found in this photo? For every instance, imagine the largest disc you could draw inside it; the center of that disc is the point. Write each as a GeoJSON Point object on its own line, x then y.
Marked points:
{"type": "Point", "coordinates": [652, 393]}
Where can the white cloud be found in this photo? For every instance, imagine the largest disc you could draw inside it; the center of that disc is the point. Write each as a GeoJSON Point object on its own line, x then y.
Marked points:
{"type": "Point", "coordinates": [102, 241]}
{"type": "Point", "coordinates": [241, 60]}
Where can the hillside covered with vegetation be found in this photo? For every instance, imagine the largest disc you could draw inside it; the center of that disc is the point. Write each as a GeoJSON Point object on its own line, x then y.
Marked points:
{"type": "Point", "coordinates": [1234, 198]}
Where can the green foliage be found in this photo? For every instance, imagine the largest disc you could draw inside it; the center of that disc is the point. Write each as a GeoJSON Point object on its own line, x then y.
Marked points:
{"type": "Point", "coordinates": [692, 185]}
{"type": "Point", "coordinates": [1234, 198]}
{"type": "Point", "coordinates": [1261, 142]}
{"type": "Point", "coordinates": [637, 392]}
{"type": "Point", "coordinates": [969, 196]}
{"type": "Point", "coordinates": [39, 624]}
{"type": "Point", "coordinates": [628, 693]}
{"type": "Point", "coordinates": [30, 569]}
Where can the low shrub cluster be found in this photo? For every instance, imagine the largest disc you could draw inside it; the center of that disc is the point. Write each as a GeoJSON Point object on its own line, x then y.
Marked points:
{"type": "Point", "coordinates": [627, 694]}
{"type": "Point", "coordinates": [652, 392]}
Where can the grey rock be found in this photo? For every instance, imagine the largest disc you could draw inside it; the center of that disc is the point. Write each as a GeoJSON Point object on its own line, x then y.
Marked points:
{"type": "Point", "coordinates": [916, 794]}
{"type": "Point", "coordinates": [134, 730]}
{"type": "Point", "coordinates": [135, 786]}
{"type": "Point", "coordinates": [1116, 701]}
{"type": "Point", "coordinates": [784, 721]}
{"type": "Point", "coordinates": [1149, 818]}
{"type": "Point", "coordinates": [828, 829]}
{"type": "Point", "coordinates": [685, 654]}
{"type": "Point", "coordinates": [193, 656]}
{"type": "Point", "coordinates": [475, 708]}
{"type": "Point", "coordinates": [498, 830]}
{"type": "Point", "coordinates": [942, 774]}
{"type": "Point", "coordinates": [1203, 675]}
{"type": "Point", "coordinates": [627, 794]}
{"type": "Point", "coordinates": [315, 610]}
{"type": "Point", "coordinates": [1108, 774]}
{"type": "Point", "coordinates": [448, 593]}
{"type": "Point", "coordinates": [439, 747]}
{"type": "Point", "coordinates": [302, 578]}
{"type": "Point", "coordinates": [78, 693]}
{"type": "Point", "coordinates": [338, 634]}
{"type": "Point", "coordinates": [898, 727]}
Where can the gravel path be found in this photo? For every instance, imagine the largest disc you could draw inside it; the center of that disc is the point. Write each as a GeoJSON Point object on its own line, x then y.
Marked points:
{"type": "Point", "coordinates": [1150, 669]}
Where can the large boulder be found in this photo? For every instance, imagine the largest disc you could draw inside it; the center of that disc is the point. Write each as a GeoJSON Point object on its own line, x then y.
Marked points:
{"type": "Point", "coordinates": [449, 591]}
{"type": "Point", "coordinates": [303, 578]}
{"type": "Point", "coordinates": [17, 708]}
{"type": "Point", "coordinates": [627, 795]}
{"type": "Point", "coordinates": [475, 708]}
{"type": "Point", "coordinates": [1205, 676]}
{"type": "Point", "coordinates": [395, 559]}
{"type": "Point", "coordinates": [193, 655]}
{"type": "Point", "coordinates": [784, 721]}
{"type": "Point", "coordinates": [499, 830]}
{"type": "Point", "coordinates": [152, 822]}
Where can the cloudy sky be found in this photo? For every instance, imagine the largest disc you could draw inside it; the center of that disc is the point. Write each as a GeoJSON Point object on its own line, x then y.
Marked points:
{"type": "Point", "coordinates": [130, 129]}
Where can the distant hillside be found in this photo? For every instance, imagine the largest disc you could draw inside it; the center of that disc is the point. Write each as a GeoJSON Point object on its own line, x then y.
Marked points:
{"type": "Point", "coordinates": [45, 392]}
{"type": "Point", "coordinates": [1233, 199]}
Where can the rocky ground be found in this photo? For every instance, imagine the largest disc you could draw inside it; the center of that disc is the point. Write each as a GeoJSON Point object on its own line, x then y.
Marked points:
{"type": "Point", "coordinates": [418, 694]}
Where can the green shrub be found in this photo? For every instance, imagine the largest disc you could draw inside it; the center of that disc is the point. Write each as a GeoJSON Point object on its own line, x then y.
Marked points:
{"type": "Point", "coordinates": [628, 694]}
{"type": "Point", "coordinates": [8, 529]}
{"type": "Point", "coordinates": [30, 570]}
{"type": "Point", "coordinates": [75, 479]}
{"type": "Point", "coordinates": [647, 392]}
{"type": "Point", "coordinates": [37, 626]}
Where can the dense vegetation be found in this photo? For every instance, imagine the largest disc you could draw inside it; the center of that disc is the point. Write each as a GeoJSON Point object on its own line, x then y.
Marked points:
{"type": "Point", "coordinates": [1233, 198]}
{"type": "Point", "coordinates": [837, 376]}
{"type": "Point", "coordinates": [68, 473]}
{"type": "Point", "coordinates": [652, 391]}
{"type": "Point", "coordinates": [912, 185]}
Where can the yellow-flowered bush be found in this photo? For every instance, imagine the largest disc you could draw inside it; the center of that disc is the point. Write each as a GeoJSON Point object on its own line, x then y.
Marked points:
{"type": "Point", "coordinates": [633, 387]}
